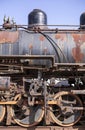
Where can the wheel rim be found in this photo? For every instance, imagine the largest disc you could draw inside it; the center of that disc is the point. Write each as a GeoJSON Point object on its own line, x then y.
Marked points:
{"type": "Point", "coordinates": [25, 115]}
{"type": "Point", "coordinates": [2, 112]}
{"type": "Point", "coordinates": [66, 116]}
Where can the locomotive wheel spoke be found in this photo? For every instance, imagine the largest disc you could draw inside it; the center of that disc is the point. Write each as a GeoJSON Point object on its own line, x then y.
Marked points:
{"type": "Point", "coordinates": [2, 112]}
{"type": "Point", "coordinates": [65, 113]}
{"type": "Point", "coordinates": [25, 115]}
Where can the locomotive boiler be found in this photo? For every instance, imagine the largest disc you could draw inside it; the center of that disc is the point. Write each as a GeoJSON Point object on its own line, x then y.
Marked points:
{"type": "Point", "coordinates": [42, 73]}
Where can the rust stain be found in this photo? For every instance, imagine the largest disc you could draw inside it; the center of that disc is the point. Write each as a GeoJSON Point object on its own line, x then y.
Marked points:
{"type": "Point", "coordinates": [30, 46]}
{"type": "Point", "coordinates": [42, 38]}
{"type": "Point", "coordinates": [60, 36]}
{"type": "Point", "coordinates": [77, 54]}
{"type": "Point", "coordinates": [8, 37]}
{"type": "Point", "coordinates": [79, 40]}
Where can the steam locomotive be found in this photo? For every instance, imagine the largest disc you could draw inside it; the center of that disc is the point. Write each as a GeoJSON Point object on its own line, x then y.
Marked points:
{"type": "Point", "coordinates": [42, 73]}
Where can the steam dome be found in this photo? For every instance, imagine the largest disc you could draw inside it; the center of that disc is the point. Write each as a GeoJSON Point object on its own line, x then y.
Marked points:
{"type": "Point", "coordinates": [82, 20]}
{"type": "Point", "coordinates": [37, 17]}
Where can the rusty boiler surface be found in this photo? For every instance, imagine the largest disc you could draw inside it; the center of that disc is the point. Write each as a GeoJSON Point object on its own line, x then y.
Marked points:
{"type": "Point", "coordinates": [72, 45]}
{"type": "Point", "coordinates": [68, 48]}
{"type": "Point", "coordinates": [9, 37]}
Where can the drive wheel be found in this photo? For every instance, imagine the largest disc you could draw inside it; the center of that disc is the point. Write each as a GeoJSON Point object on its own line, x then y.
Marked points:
{"type": "Point", "coordinates": [65, 112]}
{"type": "Point", "coordinates": [25, 115]}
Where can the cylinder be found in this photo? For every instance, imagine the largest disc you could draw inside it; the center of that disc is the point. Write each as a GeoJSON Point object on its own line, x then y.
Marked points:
{"type": "Point", "coordinates": [4, 83]}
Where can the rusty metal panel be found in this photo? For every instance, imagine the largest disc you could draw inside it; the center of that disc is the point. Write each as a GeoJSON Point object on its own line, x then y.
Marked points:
{"type": "Point", "coordinates": [69, 47]}
{"type": "Point", "coordinates": [72, 45]}
{"type": "Point", "coordinates": [78, 51]}
{"type": "Point", "coordinates": [9, 42]}
{"type": "Point", "coordinates": [8, 37]}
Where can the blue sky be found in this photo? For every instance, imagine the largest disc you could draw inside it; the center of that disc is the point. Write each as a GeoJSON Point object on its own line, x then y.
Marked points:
{"type": "Point", "coordinates": [58, 11]}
